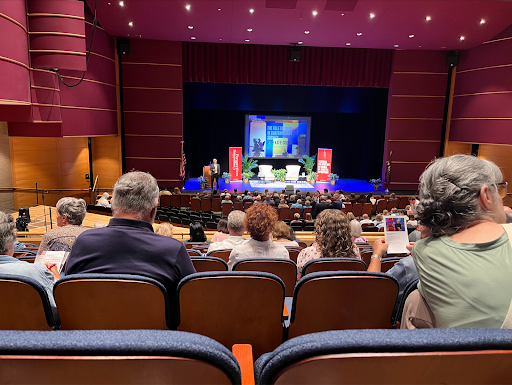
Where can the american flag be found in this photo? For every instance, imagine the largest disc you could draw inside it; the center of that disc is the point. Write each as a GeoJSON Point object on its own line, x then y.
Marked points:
{"type": "Point", "coordinates": [183, 162]}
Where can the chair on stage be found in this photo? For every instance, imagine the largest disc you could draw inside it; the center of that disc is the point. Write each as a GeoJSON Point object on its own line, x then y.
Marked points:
{"type": "Point", "coordinates": [265, 173]}
{"type": "Point", "coordinates": [292, 173]}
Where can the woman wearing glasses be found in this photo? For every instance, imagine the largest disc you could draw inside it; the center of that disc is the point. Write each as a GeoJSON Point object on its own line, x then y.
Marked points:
{"type": "Point", "coordinates": [465, 265]}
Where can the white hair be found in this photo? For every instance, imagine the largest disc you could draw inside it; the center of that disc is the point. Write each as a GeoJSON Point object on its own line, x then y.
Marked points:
{"type": "Point", "coordinates": [236, 221]}
{"type": "Point", "coordinates": [135, 193]}
{"type": "Point", "coordinates": [355, 228]}
{"type": "Point", "coordinates": [73, 208]}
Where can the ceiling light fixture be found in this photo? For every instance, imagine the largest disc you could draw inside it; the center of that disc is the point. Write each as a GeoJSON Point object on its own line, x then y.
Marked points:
{"type": "Point", "coordinates": [249, 29]}
{"type": "Point", "coordinates": [411, 36]}
{"type": "Point", "coordinates": [359, 33]}
{"type": "Point", "coordinates": [130, 23]}
{"type": "Point", "coordinates": [306, 32]}
{"type": "Point", "coordinates": [396, 45]}
{"type": "Point", "coordinates": [342, 14]}
{"type": "Point", "coordinates": [428, 18]}
{"type": "Point", "coordinates": [482, 21]}
{"type": "Point", "coordinates": [187, 7]}
{"type": "Point", "coordinates": [372, 15]}
{"type": "Point", "coordinates": [190, 27]}
{"type": "Point", "coordinates": [247, 40]}
{"type": "Point", "coordinates": [347, 44]}
{"type": "Point", "coordinates": [251, 10]}
{"type": "Point", "coordinates": [315, 13]}
{"type": "Point", "coordinates": [219, 9]}
{"type": "Point", "coordinates": [462, 38]}
{"type": "Point", "coordinates": [121, 3]}
{"type": "Point", "coordinates": [193, 38]}
{"type": "Point", "coordinates": [299, 42]}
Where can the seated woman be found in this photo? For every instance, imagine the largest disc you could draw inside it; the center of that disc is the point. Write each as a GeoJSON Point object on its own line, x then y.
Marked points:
{"type": "Point", "coordinates": [379, 221]}
{"type": "Point", "coordinates": [45, 274]}
{"type": "Point", "coordinates": [356, 230]}
{"type": "Point", "coordinates": [281, 234]}
{"type": "Point", "coordinates": [333, 239]}
{"type": "Point", "coordinates": [70, 215]}
{"type": "Point", "coordinates": [296, 219]}
{"type": "Point", "coordinates": [222, 231]}
{"type": "Point", "coordinates": [259, 222]}
{"type": "Point", "coordinates": [465, 265]}
{"type": "Point", "coordinates": [309, 218]}
{"type": "Point", "coordinates": [103, 201]}
{"type": "Point", "coordinates": [165, 229]}
{"type": "Point", "coordinates": [197, 233]}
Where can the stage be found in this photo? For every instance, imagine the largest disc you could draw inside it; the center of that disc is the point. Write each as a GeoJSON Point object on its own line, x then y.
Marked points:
{"type": "Point", "coordinates": [346, 185]}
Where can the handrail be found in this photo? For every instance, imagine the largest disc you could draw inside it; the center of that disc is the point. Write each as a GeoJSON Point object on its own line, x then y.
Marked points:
{"type": "Point", "coordinates": [42, 190]}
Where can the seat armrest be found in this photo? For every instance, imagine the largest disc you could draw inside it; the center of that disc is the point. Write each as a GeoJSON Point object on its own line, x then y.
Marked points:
{"type": "Point", "coordinates": [243, 354]}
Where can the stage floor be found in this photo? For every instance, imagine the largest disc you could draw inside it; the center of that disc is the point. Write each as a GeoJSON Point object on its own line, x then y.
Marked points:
{"type": "Point", "coordinates": [346, 185]}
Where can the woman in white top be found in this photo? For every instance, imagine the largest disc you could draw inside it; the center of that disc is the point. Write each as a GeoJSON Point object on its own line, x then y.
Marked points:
{"type": "Point", "coordinates": [281, 233]}
{"type": "Point", "coordinates": [259, 221]}
{"type": "Point", "coordinates": [103, 201]}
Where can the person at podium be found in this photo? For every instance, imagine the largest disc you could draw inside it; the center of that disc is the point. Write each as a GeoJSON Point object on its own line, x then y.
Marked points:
{"type": "Point", "coordinates": [215, 171]}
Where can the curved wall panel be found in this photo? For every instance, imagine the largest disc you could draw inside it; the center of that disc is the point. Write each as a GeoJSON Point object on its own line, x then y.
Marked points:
{"type": "Point", "coordinates": [57, 34]}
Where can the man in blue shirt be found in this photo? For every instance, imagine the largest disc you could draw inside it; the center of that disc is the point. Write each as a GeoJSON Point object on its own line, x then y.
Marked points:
{"type": "Point", "coordinates": [298, 205]}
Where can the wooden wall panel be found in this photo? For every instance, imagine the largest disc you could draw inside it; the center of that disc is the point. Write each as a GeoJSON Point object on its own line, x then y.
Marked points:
{"type": "Point", "coordinates": [500, 154]}
{"type": "Point", "coordinates": [457, 148]}
{"type": "Point", "coordinates": [6, 197]}
{"type": "Point", "coordinates": [52, 163]}
{"type": "Point", "coordinates": [106, 160]}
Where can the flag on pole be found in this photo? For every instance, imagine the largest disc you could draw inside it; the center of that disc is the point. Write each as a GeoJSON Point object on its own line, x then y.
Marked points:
{"type": "Point", "coordinates": [183, 162]}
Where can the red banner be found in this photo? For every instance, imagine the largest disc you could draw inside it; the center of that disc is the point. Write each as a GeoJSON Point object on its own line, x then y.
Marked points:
{"type": "Point", "coordinates": [235, 164]}
{"type": "Point", "coordinates": [323, 168]}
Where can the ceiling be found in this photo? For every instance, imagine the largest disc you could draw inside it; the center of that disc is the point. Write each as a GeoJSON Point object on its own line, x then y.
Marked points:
{"type": "Point", "coordinates": [336, 24]}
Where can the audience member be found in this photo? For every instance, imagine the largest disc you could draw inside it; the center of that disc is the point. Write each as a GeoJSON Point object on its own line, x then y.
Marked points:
{"type": "Point", "coordinates": [163, 191]}
{"type": "Point", "coordinates": [128, 245]}
{"type": "Point", "coordinates": [292, 236]}
{"type": "Point", "coordinates": [371, 199]}
{"type": "Point", "coordinates": [281, 233]}
{"type": "Point", "coordinates": [177, 191]}
{"type": "Point", "coordinates": [333, 239]}
{"type": "Point", "coordinates": [355, 231]}
{"type": "Point", "coordinates": [465, 265]}
{"type": "Point", "coordinates": [227, 199]}
{"type": "Point", "coordinates": [222, 231]}
{"type": "Point", "coordinates": [320, 206]}
{"type": "Point", "coordinates": [351, 216]}
{"type": "Point", "coordinates": [103, 201]}
{"type": "Point", "coordinates": [379, 221]}
{"type": "Point", "coordinates": [236, 231]}
{"type": "Point", "coordinates": [259, 222]}
{"type": "Point", "coordinates": [309, 218]}
{"type": "Point", "coordinates": [197, 234]}
{"type": "Point", "coordinates": [366, 219]}
{"type": "Point", "coordinates": [282, 203]}
{"type": "Point", "coordinates": [44, 274]}
{"type": "Point", "coordinates": [70, 215]}
{"type": "Point", "coordinates": [296, 218]}
{"type": "Point", "coordinates": [165, 229]}
{"type": "Point", "coordinates": [298, 205]}
{"type": "Point", "coordinates": [336, 204]}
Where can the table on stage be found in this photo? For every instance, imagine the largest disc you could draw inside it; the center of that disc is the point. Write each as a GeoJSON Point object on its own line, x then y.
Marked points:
{"type": "Point", "coordinates": [208, 175]}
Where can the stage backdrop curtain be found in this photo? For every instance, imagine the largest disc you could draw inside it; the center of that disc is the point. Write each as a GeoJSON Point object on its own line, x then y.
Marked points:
{"type": "Point", "coordinates": [262, 64]}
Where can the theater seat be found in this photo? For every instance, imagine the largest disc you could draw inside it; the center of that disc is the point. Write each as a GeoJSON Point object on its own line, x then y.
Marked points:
{"type": "Point", "coordinates": [115, 357]}
{"type": "Point", "coordinates": [428, 356]}
{"type": "Point", "coordinates": [333, 264]}
{"type": "Point", "coordinates": [111, 301]}
{"type": "Point", "coordinates": [24, 305]}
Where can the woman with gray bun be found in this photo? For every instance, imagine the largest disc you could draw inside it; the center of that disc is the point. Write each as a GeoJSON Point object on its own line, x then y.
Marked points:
{"type": "Point", "coordinates": [465, 264]}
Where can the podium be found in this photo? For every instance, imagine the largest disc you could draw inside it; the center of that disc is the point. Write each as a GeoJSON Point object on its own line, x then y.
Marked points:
{"type": "Point", "coordinates": [208, 175]}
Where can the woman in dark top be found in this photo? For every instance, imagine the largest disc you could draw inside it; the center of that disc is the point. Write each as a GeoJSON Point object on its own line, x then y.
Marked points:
{"type": "Point", "coordinates": [197, 233]}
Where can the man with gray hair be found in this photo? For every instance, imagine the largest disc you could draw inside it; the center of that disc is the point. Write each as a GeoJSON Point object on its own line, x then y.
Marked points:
{"type": "Point", "coordinates": [128, 244]}
{"type": "Point", "coordinates": [236, 230]}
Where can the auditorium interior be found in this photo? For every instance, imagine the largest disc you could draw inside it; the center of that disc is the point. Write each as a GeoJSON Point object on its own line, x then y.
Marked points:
{"type": "Point", "coordinates": [93, 89]}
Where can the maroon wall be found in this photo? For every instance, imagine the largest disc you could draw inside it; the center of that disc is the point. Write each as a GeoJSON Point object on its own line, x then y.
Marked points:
{"type": "Point", "coordinates": [153, 106]}
{"type": "Point", "coordinates": [482, 110]}
{"type": "Point", "coordinates": [416, 108]}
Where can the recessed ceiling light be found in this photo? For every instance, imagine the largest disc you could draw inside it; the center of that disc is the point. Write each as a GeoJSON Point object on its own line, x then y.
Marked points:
{"type": "Point", "coordinates": [247, 40]}
{"type": "Point", "coordinates": [482, 21]}
{"type": "Point", "coordinates": [190, 27]}
{"type": "Point", "coordinates": [299, 42]}
{"type": "Point", "coordinates": [372, 15]}
{"type": "Point", "coordinates": [342, 14]}
{"type": "Point", "coordinates": [130, 23]}
{"type": "Point", "coordinates": [428, 18]}
{"type": "Point", "coordinates": [219, 9]}
{"type": "Point", "coordinates": [461, 38]}
{"type": "Point", "coordinates": [411, 36]}
{"type": "Point", "coordinates": [306, 32]}
{"type": "Point", "coordinates": [251, 10]}
{"type": "Point", "coordinates": [187, 7]}
{"type": "Point", "coordinates": [121, 3]}
{"type": "Point", "coordinates": [359, 33]}
{"type": "Point", "coordinates": [220, 39]}
{"type": "Point", "coordinates": [419, 46]}
{"type": "Point", "coordinates": [347, 44]}
{"type": "Point", "coordinates": [315, 13]}
{"type": "Point", "coordinates": [108, 3]}
{"type": "Point", "coordinates": [443, 47]}
{"type": "Point", "coordinates": [396, 45]}
{"type": "Point", "coordinates": [193, 38]}
{"type": "Point", "coordinates": [249, 29]}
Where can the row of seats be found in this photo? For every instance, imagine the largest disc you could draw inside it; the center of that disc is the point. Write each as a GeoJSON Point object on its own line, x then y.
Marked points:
{"type": "Point", "coordinates": [230, 307]}
{"type": "Point", "coordinates": [429, 356]}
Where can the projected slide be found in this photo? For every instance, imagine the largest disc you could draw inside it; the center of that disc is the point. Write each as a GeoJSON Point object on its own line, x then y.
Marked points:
{"type": "Point", "coordinates": [276, 136]}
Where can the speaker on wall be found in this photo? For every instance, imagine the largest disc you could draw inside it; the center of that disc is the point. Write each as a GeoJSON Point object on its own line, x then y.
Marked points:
{"type": "Point", "coordinates": [294, 54]}
{"type": "Point", "coordinates": [452, 59]}
{"type": "Point", "coordinates": [123, 46]}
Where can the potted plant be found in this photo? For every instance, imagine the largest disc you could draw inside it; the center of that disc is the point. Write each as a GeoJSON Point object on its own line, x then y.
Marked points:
{"type": "Point", "coordinates": [202, 181]}
{"type": "Point", "coordinates": [333, 178]}
{"type": "Point", "coordinates": [312, 177]}
{"type": "Point", "coordinates": [279, 174]}
{"type": "Point", "coordinates": [376, 183]}
{"type": "Point", "coordinates": [308, 163]}
{"type": "Point", "coordinates": [226, 176]}
{"type": "Point", "coordinates": [247, 165]}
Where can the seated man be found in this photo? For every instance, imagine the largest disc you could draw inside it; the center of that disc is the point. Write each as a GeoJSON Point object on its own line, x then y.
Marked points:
{"type": "Point", "coordinates": [297, 205]}
{"type": "Point", "coordinates": [227, 199]}
{"type": "Point", "coordinates": [336, 204]}
{"type": "Point", "coordinates": [128, 244]}
{"type": "Point", "coordinates": [365, 219]}
{"type": "Point", "coordinates": [296, 218]}
{"type": "Point", "coordinates": [236, 230]}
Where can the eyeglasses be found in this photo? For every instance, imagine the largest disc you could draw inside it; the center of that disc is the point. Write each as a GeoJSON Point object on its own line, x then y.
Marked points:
{"type": "Point", "coordinates": [502, 189]}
